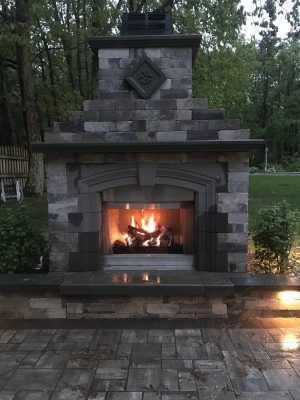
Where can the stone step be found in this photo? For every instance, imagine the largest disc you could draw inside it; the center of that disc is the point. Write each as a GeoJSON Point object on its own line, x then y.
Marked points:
{"type": "Point", "coordinates": [207, 114]}
{"type": "Point", "coordinates": [200, 135]}
{"type": "Point", "coordinates": [147, 115]}
{"type": "Point", "coordinates": [82, 116]}
{"type": "Point", "coordinates": [212, 125]}
{"type": "Point", "coordinates": [141, 104]}
{"type": "Point", "coordinates": [222, 124]}
{"type": "Point", "coordinates": [68, 127]}
{"type": "Point", "coordinates": [234, 134]}
{"type": "Point", "coordinates": [196, 127]}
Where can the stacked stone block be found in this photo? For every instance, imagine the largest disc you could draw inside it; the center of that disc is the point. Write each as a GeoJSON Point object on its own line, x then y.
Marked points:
{"type": "Point", "coordinates": [75, 215]}
{"type": "Point", "coordinates": [175, 63]}
{"type": "Point", "coordinates": [119, 115]}
{"type": "Point", "coordinates": [52, 305]}
{"type": "Point", "coordinates": [147, 120]}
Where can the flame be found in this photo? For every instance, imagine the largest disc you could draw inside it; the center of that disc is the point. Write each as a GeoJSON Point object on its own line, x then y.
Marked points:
{"type": "Point", "coordinates": [150, 225]}
{"type": "Point", "coordinates": [133, 221]}
{"type": "Point", "coordinates": [125, 278]}
{"type": "Point", "coordinates": [127, 238]}
{"type": "Point", "coordinates": [146, 277]}
{"type": "Point", "coordinates": [158, 280]}
{"type": "Point", "coordinates": [158, 241]}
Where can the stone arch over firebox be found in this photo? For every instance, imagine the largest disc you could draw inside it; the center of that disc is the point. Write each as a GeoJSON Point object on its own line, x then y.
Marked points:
{"type": "Point", "coordinates": [182, 176]}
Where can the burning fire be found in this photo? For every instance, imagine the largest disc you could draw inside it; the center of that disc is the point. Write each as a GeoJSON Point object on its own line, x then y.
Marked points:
{"type": "Point", "coordinates": [133, 222]}
{"type": "Point", "coordinates": [143, 228]}
{"type": "Point", "coordinates": [145, 277]}
{"type": "Point", "coordinates": [141, 232]}
{"type": "Point", "coordinates": [148, 226]}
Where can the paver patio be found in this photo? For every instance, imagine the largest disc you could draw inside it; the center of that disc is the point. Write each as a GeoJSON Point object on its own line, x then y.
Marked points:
{"type": "Point", "coordinates": [260, 361]}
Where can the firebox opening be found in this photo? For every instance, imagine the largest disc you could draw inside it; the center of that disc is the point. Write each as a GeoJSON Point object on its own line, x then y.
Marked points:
{"type": "Point", "coordinates": [148, 227]}
{"type": "Point", "coordinates": [156, 228]}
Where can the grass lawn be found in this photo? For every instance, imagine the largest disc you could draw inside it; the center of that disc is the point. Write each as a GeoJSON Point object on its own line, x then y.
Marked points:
{"type": "Point", "coordinates": [37, 208]}
{"type": "Point", "coordinates": [264, 190]}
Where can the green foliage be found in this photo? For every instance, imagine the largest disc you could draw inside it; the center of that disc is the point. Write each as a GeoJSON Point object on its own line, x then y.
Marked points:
{"type": "Point", "coordinates": [255, 81]}
{"type": "Point", "coordinates": [223, 76]}
{"type": "Point", "coordinates": [274, 98]}
{"type": "Point", "coordinates": [289, 164]}
{"type": "Point", "coordinates": [273, 234]}
{"type": "Point", "coordinates": [20, 246]}
{"type": "Point", "coordinates": [266, 190]}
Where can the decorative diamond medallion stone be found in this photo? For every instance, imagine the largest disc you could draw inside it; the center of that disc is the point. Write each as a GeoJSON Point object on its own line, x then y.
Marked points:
{"type": "Point", "coordinates": [145, 77]}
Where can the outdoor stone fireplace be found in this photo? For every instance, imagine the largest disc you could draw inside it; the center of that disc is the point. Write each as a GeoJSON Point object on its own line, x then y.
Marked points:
{"type": "Point", "coordinates": [147, 177]}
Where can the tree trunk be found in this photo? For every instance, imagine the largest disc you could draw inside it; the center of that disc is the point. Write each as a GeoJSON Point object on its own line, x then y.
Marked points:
{"type": "Point", "coordinates": [48, 112]}
{"type": "Point", "coordinates": [87, 70]}
{"type": "Point", "coordinates": [10, 136]}
{"type": "Point", "coordinates": [79, 48]}
{"type": "Point", "coordinates": [51, 69]}
{"type": "Point", "coordinates": [35, 184]}
{"type": "Point", "coordinates": [65, 40]}
{"type": "Point", "coordinates": [264, 110]}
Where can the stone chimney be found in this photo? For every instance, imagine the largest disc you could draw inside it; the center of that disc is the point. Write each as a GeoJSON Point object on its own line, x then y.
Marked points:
{"type": "Point", "coordinates": [146, 142]}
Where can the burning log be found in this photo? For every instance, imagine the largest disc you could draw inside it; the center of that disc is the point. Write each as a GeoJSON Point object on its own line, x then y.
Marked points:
{"type": "Point", "coordinates": [141, 233]}
{"type": "Point", "coordinates": [162, 236]}
{"type": "Point", "coordinates": [167, 237]}
{"type": "Point", "coordinates": [147, 238]}
{"type": "Point", "coordinates": [136, 235]}
{"type": "Point", "coordinates": [132, 229]}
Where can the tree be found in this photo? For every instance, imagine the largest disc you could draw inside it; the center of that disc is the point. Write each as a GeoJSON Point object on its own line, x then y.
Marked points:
{"type": "Point", "coordinates": [45, 60]}
{"type": "Point", "coordinates": [35, 184]}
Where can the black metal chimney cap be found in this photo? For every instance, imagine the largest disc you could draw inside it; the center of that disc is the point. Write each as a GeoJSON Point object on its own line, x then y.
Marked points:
{"type": "Point", "coordinates": [147, 24]}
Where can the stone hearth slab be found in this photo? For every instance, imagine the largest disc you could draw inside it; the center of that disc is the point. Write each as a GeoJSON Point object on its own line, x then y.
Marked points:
{"type": "Point", "coordinates": [217, 283]}
{"type": "Point", "coordinates": [134, 283]}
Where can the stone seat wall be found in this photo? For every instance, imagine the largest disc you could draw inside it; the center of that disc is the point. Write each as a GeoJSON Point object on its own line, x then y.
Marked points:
{"type": "Point", "coordinates": [242, 305]}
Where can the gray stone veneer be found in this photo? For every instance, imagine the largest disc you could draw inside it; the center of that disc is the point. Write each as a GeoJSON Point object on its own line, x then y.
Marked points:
{"type": "Point", "coordinates": [243, 305]}
{"type": "Point", "coordinates": [219, 179]}
{"type": "Point", "coordinates": [75, 206]}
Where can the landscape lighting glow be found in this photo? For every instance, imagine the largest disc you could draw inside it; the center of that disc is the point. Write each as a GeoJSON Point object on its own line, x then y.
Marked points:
{"type": "Point", "coordinates": [289, 296]}
{"type": "Point", "coordinates": [290, 342]}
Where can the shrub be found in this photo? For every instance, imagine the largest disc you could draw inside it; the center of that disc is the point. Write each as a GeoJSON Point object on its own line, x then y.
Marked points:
{"type": "Point", "coordinates": [20, 246]}
{"type": "Point", "coordinates": [273, 234]}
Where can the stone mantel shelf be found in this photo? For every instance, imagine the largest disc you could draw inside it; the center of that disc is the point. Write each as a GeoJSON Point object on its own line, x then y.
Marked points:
{"type": "Point", "coordinates": [150, 147]}
{"type": "Point", "coordinates": [143, 41]}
